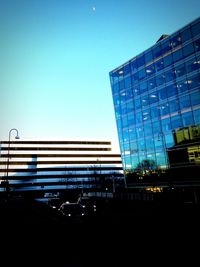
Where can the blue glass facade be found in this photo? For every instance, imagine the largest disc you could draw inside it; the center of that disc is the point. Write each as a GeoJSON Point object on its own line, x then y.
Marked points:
{"type": "Point", "coordinates": [155, 95]}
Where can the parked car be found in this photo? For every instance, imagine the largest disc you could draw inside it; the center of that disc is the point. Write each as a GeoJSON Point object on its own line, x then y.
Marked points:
{"type": "Point", "coordinates": [72, 210]}
{"type": "Point", "coordinates": [88, 204]}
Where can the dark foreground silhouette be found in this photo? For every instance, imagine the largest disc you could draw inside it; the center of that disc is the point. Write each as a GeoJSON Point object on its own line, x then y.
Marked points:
{"type": "Point", "coordinates": [120, 234]}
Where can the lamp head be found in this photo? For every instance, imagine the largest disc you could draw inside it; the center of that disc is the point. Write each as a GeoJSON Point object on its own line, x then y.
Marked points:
{"type": "Point", "coordinates": [17, 137]}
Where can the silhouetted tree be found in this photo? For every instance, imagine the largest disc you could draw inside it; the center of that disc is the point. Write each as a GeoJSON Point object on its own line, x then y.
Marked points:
{"type": "Point", "coordinates": [146, 167]}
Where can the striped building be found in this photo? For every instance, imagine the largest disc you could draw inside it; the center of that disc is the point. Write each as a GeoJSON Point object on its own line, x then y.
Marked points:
{"type": "Point", "coordinates": [45, 167]}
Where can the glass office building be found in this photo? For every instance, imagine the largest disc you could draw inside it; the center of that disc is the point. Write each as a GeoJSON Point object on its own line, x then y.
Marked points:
{"type": "Point", "coordinates": [156, 97]}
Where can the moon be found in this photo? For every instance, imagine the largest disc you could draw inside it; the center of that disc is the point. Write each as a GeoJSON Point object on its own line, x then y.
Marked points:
{"type": "Point", "coordinates": [94, 8]}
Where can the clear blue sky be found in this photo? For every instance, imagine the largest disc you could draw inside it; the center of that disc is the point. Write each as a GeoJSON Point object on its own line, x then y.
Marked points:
{"type": "Point", "coordinates": [56, 55]}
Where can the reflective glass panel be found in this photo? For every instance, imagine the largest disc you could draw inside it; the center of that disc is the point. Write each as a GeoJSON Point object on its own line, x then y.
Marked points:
{"type": "Point", "coordinates": [171, 90]}
{"type": "Point", "coordinates": [182, 86]}
{"type": "Point", "coordinates": [140, 61]}
{"type": "Point", "coordinates": [197, 45]}
{"type": "Point", "coordinates": [134, 66]}
{"type": "Point", "coordinates": [153, 98]}
{"type": "Point", "coordinates": [180, 70]}
{"type": "Point", "coordinates": [157, 51]}
{"type": "Point", "coordinates": [186, 35]}
{"type": "Point", "coordinates": [187, 119]}
{"type": "Point", "coordinates": [159, 65]}
{"type": "Point", "coordinates": [176, 122]}
{"type": "Point", "coordinates": [197, 116]}
{"type": "Point", "coordinates": [160, 79]}
{"type": "Point", "coordinates": [177, 55]}
{"type": "Point", "coordinates": [167, 60]}
{"type": "Point", "coordinates": [195, 98]}
{"type": "Point", "coordinates": [174, 105]}
{"type": "Point", "coordinates": [166, 47]}
{"type": "Point", "coordinates": [170, 75]}
{"type": "Point", "coordinates": [155, 112]}
{"type": "Point", "coordinates": [195, 29]}
{"type": "Point", "coordinates": [148, 57]}
{"type": "Point", "coordinates": [188, 50]}
{"type": "Point", "coordinates": [185, 102]}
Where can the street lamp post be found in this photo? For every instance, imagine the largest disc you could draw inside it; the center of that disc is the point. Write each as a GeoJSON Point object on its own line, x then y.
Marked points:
{"type": "Point", "coordinates": [165, 147]}
{"type": "Point", "coordinates": [8, 157]}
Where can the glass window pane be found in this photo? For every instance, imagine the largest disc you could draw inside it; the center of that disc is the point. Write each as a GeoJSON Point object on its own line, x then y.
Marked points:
{"type": "Point", "coordinates": [157, 52]}
{"type": "Point", "coordinates": [156, 127]}
{"type": "Point", "coordinates": [137, 103]}
{"type": "Point", "coordinates": [124, 122]}
{"type": "Point", "coordinates": [169, 75]}
{"type": "Point", "coordinates": [135, 77]}
{"type": "Point", "coordinates": [180, 70]}
{"type": "Point", "coordinates": [131, 120]}
{"type": "Point", "coordinates": [164, 109]}
{"type": "Point", "coordinates": [155, 112]}
{"type": "Point", "coordinates": [167, 60]}
{"type": "Point", "coordinates": [143, 87]}
{"type": "Point", "coordinates": [145, 101]}
{"type": "Point", "coordinates": [176, 122]}
{"type": "Point", "coordinates": [197, 45]}
{"type": "Point", "coordinates": [166, 47]}
{"type": "Point", "coordinates": [193, 81]}
{"type": "Point", "coordinates": [136, 91]}
{"type": "Point", "coordinates": [171, 90]}
{"type": "Point", "coordinates": [196, 29]}
{"type": "Point", "coordinates": [123, 109]}
{"type": "Point", "coordinates": [140, 61]}
{"type": "Point", "coordinates": [150, 70]}
{"type": "Point", "coordinates": [153, 98]}
{"type": "Point", "coordinates": [138, 117]}
{"type": "Point", "coordinates": [197, 116]}
{"type": "Point", "coordinates": [166, 125]}
{"type": "Point", "coordinates": [198, 62]}
{"type": "Point", "coordinates": [185, 102]}
{"type": "Point", "coordinates": [187, 119]}
{"type": "Point", "coordinates": [115, 88]}
{"type": "Point", "coordinates": [132, 133]}
{"type": "Point", "coordinates": [159, 65]}
{"type": "Point", "coordinates": [134, 66]}
{"type": "Point", "coordinates": [129, 94]}
{"type": "Point", "coordinates": [186, 35]}
{"type": "Point", "coordinates": [149, 144]}
{"type": "Point", "coordinates": [177, 55]}
{"type": "Point", "coordinates": [182, 86]}
{"type": "Point", "coordinates": [130, 106]}
{"type": "Point", "coordinates": [127, 69]}
{"type": "Point", "coordinates": [160, 79]}
{"type": "Point", "coordinates": [162, 94]}
{"type": "Point", "coordinates": [188, 50]}
{"type": "Point", "coordinates": [148, 57]}
{"type": "Point", "coordinates": [141, 145]}
{"type": "Point", "coordinates": [140, 132]}
{"type": "Point", "coordinates": [122, 97]}
{"type": "Point", "coordinates": [151, 83]}
{"type": "Point", "coordinates": [116, 100]}
{"type": "Point", "coordinates": [128, 82]}
{"type": "Point", "coordinates": [176, 40]}
{"type": "Point", "coordinates": [142, 74]}
{"type": "Point", "coordinates": [191, 65]}
{"type": "Point", "coordinates": [121, 85]}
{"type": "Point", "coordinates": [148, 129]}
{"type": "Point", "coordinates": [174, 105]}
{"type": "Point", "coordinates": [195, 98]}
